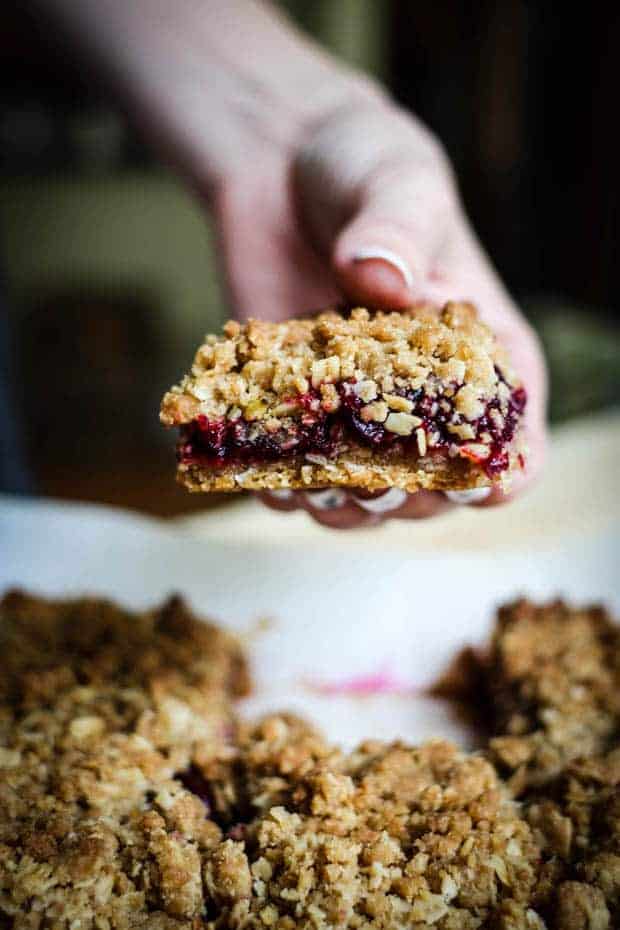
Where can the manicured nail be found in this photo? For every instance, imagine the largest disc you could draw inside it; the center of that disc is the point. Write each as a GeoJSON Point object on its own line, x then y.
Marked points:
{"type": "Point", "coordinates": [282, 494]}
{"type": "Point", "coordinates": [473, 496]}
{"type": "Point", "coordinates": [385, 255]}
{"type": "Point", "coordinates": [391, 500]}
{"type": "Point", "coordinates": [330, 499]}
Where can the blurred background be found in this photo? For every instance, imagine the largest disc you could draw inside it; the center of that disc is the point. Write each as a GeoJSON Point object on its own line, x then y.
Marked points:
{"type": "Point", "coordinates": [108, 265]}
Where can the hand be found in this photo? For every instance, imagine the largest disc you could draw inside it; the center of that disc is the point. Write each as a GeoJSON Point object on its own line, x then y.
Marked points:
{"type": "Point", "coordinates": [319, 184]}
{"type": "Point", "coordinates": [364, 203]}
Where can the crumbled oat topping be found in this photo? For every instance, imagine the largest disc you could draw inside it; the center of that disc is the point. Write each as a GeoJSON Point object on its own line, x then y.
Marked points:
{"type": "Point", "coordinates": [262, 362]}
{"type": "Point", "coordinates": [386, 837]}
{"type": "Point", "coordinates": [553, 677]}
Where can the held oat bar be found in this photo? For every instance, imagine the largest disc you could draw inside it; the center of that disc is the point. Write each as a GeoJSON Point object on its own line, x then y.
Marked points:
{"type": "Point", "coordinates": [420, 399]}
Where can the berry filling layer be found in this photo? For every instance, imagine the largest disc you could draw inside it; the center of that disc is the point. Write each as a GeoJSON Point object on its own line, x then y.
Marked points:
{"type": "Point", "coordinates": [408, 422]}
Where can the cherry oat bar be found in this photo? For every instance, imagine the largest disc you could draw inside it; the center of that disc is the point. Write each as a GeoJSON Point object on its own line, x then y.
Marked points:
{"type": "Point", "coordinates": [553, 677]}
{"type": "Point", "coordinates": [420, 399]}
{"type": "Point", "coordinates": [576, 824]}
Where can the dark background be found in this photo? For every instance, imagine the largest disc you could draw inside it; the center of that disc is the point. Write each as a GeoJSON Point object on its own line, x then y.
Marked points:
{"type": "Point", "coordinates": [523, 95]}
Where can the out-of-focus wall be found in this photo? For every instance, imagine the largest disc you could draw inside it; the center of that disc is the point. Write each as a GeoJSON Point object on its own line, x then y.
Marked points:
{"type": "Point", "coordinates": [131, 233]}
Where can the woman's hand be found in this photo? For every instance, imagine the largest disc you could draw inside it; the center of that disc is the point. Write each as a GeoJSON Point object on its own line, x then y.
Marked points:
{"type": "Point", "coordinates": [320, 185]}
{"type": "Point", "coordinates": [364, 203]}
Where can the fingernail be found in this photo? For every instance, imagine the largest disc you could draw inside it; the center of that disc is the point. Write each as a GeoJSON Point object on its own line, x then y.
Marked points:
{"type": "Point", "coordinates": [385, 255]}
{"type": "Point", "coordinates": [391, 500]}
{"type": "Point", "coordinates": [282, 494]}
{"type": "Point", "coordinates": [330, 499]}
{"type": "Point", "coordinates": [472, 496]}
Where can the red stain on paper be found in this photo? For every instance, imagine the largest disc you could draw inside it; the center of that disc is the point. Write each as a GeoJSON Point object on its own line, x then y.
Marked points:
{"type": "Point", "coordinates": [383, 681]}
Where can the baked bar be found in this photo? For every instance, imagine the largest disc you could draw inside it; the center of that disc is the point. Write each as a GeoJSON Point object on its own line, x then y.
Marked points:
{"type": "Point", "coordinates": [547, 697]}
{"type": "Point", "coordinates": [100, 710]}
{"type": "Point", "coordinates": [554, 685]}
{"type": "Point", "coordinates": [420, 399]}
{"type": "Point", "coordinates": [50, 647]}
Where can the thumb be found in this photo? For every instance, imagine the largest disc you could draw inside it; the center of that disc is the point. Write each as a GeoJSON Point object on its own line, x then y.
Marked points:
{"type": "Point", "coordinates": [387, 253]}
{"type": "Point", "coordinates": [376, 194]}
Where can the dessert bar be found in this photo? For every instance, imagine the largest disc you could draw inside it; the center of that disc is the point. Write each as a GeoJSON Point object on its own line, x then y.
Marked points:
{"type": "Point", "coordinates": [420, 399]}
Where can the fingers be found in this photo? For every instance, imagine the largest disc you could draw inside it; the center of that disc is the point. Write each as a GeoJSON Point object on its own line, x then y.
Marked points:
{"type": "Point", "coordinates": [284, 500]}
{"type": "Point", "coordinates": [419, 506]}
{"type": "Point", "coordinates": [386, 255]}
{"type": "Point", "coordinates": [472, 496]}
{"type": "Point", "coordinates": [338, 509]}
{"type": "Point", "coordinates": [347, 516]}
{"type": "Point", "coordinates": [342, 510]}
{"type": "Point", "coordinates": [382, 504]}
{"type": "Point", "coordinates": [331, 507]}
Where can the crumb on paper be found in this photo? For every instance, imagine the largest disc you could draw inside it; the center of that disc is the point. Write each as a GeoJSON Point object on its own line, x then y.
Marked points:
{"type": "Point", "coordinates": [256, 628]}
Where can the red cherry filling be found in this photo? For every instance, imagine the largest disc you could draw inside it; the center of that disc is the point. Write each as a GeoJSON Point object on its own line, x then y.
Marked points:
{"type": "Point", "coordinates": [234, 823]}
{"type": "Point", "coordinates": [193, 779]}
{"type": "Point", "coordinates": [214, 443]}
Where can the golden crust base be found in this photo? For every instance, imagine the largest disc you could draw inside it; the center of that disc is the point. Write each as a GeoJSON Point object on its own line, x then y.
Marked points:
{"type": "Point", "coordinates": [357, 468]}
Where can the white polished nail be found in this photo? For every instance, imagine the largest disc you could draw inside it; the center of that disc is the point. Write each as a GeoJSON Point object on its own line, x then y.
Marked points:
{"type": "Point", "coordinates": [391, 500]}
{"type": "Point", "coordinates": [281, 494]}
{"type": "Point", "coordinates": [472, 496]}
{"type": "Point", "coordinates": [330, 499]}
{"type": "Point", "coordinates": [385, 255]}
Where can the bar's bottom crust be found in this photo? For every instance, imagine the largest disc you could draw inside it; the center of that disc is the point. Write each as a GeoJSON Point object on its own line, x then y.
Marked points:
{"type": "Point", "coordinates": [356, 468]}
